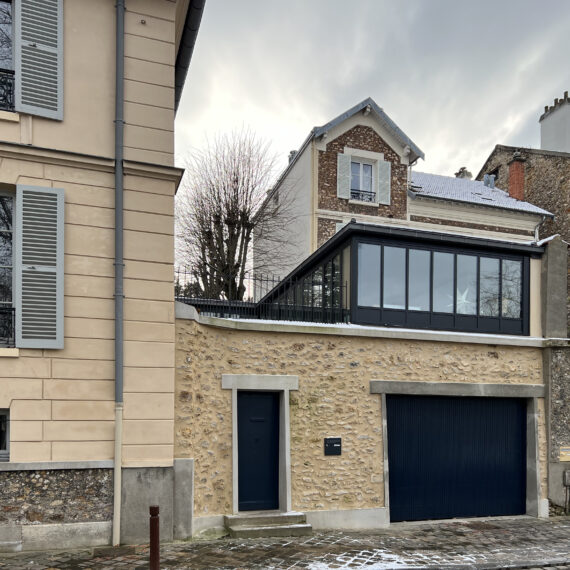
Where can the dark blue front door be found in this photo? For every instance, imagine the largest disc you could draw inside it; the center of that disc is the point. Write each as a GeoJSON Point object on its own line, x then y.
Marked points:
{"type": "Point", "coordinates": [456, 457]}
{"type": "Point", "coordinates": [258, 450]}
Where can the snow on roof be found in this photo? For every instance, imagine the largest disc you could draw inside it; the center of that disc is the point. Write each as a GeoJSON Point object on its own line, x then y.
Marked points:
{"type": "Point", "coordinates": [469, 191]}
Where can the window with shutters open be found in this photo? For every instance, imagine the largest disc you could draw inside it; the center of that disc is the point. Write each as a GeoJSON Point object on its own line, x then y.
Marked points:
{"type": "Point", "coordinates": [363, 176]}
{"type": "Point", "coordinates": [38, 267]}
{"type": "Point", "coordinates": [31, 57]}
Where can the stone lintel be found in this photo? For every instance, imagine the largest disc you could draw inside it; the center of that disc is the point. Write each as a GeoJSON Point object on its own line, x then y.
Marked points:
{"type": "Point", "coordinates": [457, 389]}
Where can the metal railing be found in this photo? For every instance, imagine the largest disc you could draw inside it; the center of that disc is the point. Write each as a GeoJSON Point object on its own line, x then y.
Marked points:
{"type": "Point", "coordinates": [269, 298]}
{"type": "Point", "coordinates": [363, 195]}
{"type": "Point", "coordinates": [7, 331]}
{"type": "Point", "coordinates": [6, 90]}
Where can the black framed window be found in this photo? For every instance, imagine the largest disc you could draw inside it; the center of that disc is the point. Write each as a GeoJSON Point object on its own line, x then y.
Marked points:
{"type": "Point", "coordinates": [4, 435]}
{"type": "Point", "coordinates": [444, 288]}
{"type": "Point", "coordinates": [6, 264]}
{"type": "Point", "coordinates": [6, 57]}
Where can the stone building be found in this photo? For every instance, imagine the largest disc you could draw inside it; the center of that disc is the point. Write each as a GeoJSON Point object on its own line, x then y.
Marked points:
{"type": "Point", "coordinates": [433, 306]}
{"type": "Point", "coordinates": [87, 182]}
{"type": "Point", "coordinates": [542, 177]}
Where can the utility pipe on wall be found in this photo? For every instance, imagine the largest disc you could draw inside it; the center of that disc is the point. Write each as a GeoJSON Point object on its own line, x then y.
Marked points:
{"type": "Point", "coordinates": [119, 266]}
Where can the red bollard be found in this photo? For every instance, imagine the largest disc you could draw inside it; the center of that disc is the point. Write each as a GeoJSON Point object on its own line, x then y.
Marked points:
{"type": "Point", "coordinates": [154, 538]}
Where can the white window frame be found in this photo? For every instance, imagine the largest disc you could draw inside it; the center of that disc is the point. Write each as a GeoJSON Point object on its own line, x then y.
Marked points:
{"type": "Point", "coordinates": [361, 163]}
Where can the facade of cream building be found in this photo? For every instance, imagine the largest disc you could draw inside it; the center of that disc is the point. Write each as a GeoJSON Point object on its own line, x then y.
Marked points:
{"type": "Point", "coordinates": [66, 423]}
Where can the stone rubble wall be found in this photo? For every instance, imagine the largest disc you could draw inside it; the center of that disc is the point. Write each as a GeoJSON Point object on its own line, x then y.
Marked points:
{"type": "Point", "coordinates": [333, 400]}
{"type": "Point", "coordinates": [56, 496]}
{"type": "Point", "coordinates": [560, 402]}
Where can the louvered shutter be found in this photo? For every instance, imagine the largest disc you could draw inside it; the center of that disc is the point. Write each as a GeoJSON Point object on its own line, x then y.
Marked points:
{"type": "Point", "coordinates": [38, 26]}
{"type": "Point", "coordinates": [38, 267]}
{"type": "Point", "coordinates": [384, 170]}
{"type": "Point", "coordinates": [343, 176]}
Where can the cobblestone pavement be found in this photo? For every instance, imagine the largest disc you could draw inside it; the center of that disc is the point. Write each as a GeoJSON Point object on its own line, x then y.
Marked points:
{"type": "Point", "coordinates": [522, 542]}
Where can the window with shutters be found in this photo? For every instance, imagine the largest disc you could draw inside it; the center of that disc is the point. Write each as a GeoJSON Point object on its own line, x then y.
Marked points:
{"type": "Point", "coordinates": [4, 435]}
{"type": "Point", "coordinates": [363, 176]}
{"type": "Point", "coordinates": [31, 268]}
{"type": "Point", "coordinates": [31, 57]}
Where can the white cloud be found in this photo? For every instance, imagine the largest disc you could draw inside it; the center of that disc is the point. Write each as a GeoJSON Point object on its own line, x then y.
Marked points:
{"type": "Point", "coordinates": [457, 77]}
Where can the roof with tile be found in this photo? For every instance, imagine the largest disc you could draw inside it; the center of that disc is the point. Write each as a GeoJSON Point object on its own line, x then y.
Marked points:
{"type": "Point", "coordinates": [468, 191]}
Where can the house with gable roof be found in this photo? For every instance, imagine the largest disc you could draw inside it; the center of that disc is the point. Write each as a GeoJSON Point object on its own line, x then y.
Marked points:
{"type": "Point", "coordinates": [399, 371]}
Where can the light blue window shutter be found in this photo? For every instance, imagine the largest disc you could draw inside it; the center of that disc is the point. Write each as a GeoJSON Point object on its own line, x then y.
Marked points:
{"type": "Point", "coordinates": [38, 55]}
{"type": "Point", "coordinates": [384, 177]}
{"type": "Point", "coordinates": [343, 176]}
{"type": "Point", "coordinates": [38, 267]}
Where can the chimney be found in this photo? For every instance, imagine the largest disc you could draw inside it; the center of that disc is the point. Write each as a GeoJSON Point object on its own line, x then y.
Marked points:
{"type": "Point", "coordinates": [463, 173]}
{"type": "Point", "coordinates": [516, 176]}
{"type": "Point", "coordinates": [555, 125]}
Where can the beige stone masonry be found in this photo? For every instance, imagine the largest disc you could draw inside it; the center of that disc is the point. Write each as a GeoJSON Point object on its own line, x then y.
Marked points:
{"type": "Point", "coordinates": [333, 400]}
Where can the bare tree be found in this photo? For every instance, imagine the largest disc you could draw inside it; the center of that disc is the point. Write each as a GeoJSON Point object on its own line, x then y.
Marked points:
{"type": "Point", "coordinates": [223, 200]}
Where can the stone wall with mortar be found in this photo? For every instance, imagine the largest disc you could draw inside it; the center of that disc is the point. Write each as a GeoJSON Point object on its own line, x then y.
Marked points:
{"type": "Point", "coordinates": [56, 496]}
{"type": "Point", "coordinates": [333, 400]}
{"type": "Point", "coordinates": [559, 402]}
{"type": "Point", "coordinates": [546, 184]}
{"type": "Point", "coordinates": [363, 138]}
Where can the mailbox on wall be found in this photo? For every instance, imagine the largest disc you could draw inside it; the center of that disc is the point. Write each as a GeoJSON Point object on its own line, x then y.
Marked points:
{"type": "Point", "coordinates": [332, 446]}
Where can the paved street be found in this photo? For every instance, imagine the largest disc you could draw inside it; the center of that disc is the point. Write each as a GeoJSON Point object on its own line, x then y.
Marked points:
{"type": "Point", "coordinates": [487, 544]}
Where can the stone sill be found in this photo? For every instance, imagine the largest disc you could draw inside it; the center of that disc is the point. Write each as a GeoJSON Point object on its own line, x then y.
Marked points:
{"type": "Point", "coordinates": [9, 352]}
{"type": "Point", "coordinates": [10, 116]}
{"type": "Point", "coordinates": [360, 203]}
{"type": "Point", "coordinates": [188, 312]}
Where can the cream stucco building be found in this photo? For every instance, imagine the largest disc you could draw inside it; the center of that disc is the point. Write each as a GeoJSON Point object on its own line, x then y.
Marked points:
{"type": "Point", "coordinates": [87, 184]}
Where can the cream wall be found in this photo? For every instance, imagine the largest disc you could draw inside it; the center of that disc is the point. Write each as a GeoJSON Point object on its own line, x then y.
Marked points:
{"type": "Point", "coordinates": [62, 401]}
{"type": "Point", "coordinates": [333, 399]}
{"type": "Point", "coordinates": [89, 84]}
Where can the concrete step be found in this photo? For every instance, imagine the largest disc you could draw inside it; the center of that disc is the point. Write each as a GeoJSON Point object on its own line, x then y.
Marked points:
{"type": "Point", "coordinates": [10, 546]}
{"type": "Point", "coordinates": [300, 529]}
{"type": "Point", "coordinates": [267, 518]}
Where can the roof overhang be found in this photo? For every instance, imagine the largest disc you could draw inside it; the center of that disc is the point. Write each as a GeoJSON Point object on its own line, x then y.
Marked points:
{"type": "Point", "coordinates": [185, 49]}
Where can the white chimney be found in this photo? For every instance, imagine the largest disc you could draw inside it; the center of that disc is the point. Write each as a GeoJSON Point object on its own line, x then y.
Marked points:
{"type": "Point", "coordinates": [555, 125]}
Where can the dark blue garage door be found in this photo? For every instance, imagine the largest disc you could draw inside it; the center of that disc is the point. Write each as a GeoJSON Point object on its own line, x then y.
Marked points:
{"type": "Point", "coordinates": [456, 457]}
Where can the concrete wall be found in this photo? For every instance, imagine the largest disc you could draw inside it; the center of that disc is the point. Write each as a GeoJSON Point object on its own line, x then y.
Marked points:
{"type": "Point", "coordinates": [555, 127]}
{"type": "Point", "coordinates": [333, 399]}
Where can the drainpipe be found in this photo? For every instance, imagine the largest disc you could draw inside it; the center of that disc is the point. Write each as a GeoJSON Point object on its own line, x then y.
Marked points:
{"type": "Point", "coordinates": [119, 267]}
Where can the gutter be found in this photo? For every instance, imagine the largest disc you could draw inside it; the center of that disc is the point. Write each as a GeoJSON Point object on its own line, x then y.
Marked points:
{"type": "Point", "coordinates": [119, 267]}
{"type": "Point", "coordinates": [187, 42]}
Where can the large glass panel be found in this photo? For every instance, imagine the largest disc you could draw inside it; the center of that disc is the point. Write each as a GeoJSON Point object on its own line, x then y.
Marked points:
{"type": "Point", "coordinates": [442, 282]}
{"type": "Point", "coordinates": [318, 287]}
{"type": "Point", "coordinates": [355, 175]}
{"type": "Point", "coordinates": [466, 285]}
{"type": "Point", "coordinates": [336, 281]}
{"type": "Point", "coordinates": [367, 177]}
{"type": "Point", "coordinates": [6, 59]}
{"type": "Point", "coordinates": [394, 278]}
{"type": "Point", "coordinates": [327, 285]}
{"type": "Point", "coordinates": [418, 283]}
{"type": "Point", "coordinates": [511, 288]}
{"type": "Point", "coordinates": [6, 208]}
{"type": "Point", "coordinates": [488, 287]}
{"type": "Point", "coordinates": [369, 275]}
{"type": "Point", "coordinates": [5, 287]}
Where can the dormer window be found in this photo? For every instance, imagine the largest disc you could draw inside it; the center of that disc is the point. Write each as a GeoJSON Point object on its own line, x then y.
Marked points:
{"type": "Point", "coordinates": [361, 182]}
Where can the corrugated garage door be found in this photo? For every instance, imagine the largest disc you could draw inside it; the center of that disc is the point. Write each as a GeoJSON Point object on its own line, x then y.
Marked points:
{"type": "Point", "coordinates": [456, 457]}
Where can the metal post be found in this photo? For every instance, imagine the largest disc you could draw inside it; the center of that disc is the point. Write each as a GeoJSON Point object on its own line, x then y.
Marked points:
{"type": "Point", "coordinates": [154, 563]}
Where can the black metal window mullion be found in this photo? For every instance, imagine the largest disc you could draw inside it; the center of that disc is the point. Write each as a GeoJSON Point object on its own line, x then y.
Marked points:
{"type": "Point", "coordinates": [454, 290]}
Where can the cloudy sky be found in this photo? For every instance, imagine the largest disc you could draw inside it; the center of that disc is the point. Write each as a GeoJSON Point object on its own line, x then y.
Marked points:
{"type": "Point", "coordinates": [456, 76]}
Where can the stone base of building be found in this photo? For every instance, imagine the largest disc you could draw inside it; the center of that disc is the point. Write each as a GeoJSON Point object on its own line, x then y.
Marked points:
{"type": "Point", "coordinates": [353, 519]}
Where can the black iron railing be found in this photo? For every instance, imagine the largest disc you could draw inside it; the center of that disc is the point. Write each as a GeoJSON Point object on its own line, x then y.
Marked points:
{"type": "Point", "coordinates": [7, 331]}
{"type": "Point", "coordinates": [269, 298]}
{"type": "Point", "coordinates": [6, 90]}
{"type": "Point", "coordinates": [363, 195]}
